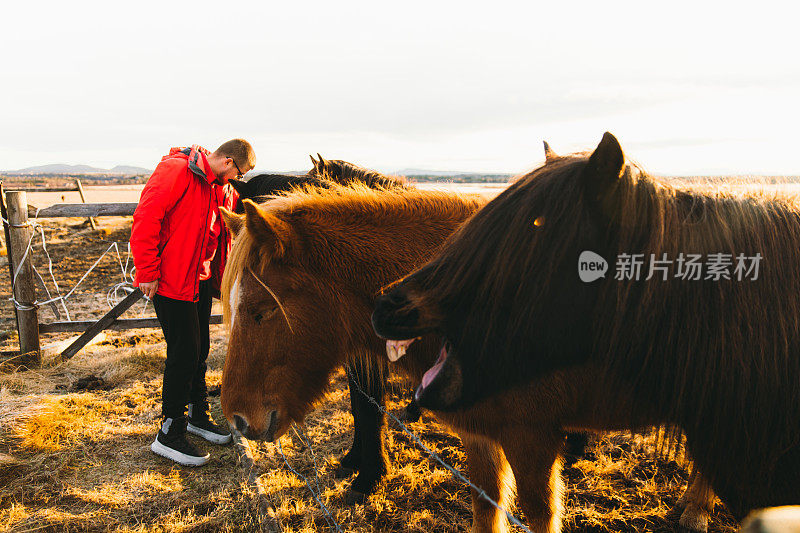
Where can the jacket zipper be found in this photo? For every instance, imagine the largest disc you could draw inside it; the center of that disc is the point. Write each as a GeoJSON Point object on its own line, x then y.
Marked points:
{"type": "Point", "coordinates": [202, 247]}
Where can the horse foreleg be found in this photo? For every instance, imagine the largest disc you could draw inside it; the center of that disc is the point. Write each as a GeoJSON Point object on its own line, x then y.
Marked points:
{"type": "Point", "coordinates": [534, 459]}
{"type": "Point", "coordinates": [695, 505]}
{"type": "Point", "coordinates": [489, 470]}
{"type": "Point", "coordinates": [370, 425]}
{"type": "Point", "coordinates": [350, 463]}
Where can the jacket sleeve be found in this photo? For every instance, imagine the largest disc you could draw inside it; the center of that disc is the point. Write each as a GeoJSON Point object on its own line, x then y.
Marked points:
{"type": "Point", "coordinates": [159, 195]}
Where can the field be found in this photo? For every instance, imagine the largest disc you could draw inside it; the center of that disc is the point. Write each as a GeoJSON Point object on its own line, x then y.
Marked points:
{"type": "Point", "coordinates": [75, 436]}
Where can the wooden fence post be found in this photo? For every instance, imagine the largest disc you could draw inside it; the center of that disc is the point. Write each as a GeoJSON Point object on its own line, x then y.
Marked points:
{"type": "Point", "coordinates": [6, 234]}
{"type": "Point", "coordinates": [92, 223]}
{"type": "Point", "coordinates": [24, 287]}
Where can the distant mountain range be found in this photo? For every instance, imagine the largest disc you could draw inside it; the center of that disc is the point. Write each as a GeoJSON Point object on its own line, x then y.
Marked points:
{"type": "Point", "coordinates": [58, 168]}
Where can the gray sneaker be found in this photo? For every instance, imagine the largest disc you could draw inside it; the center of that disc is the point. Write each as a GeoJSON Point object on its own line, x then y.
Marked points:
{"type": "Point", "coordinates": [200, 424]}
{"type": "Point", "coordinates": [171, 443]}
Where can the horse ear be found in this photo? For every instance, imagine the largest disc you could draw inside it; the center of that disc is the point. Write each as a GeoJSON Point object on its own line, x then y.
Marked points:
{"type": "Point", "coordinates": [549, 155]}
{"type": "Point", "coordinates": [313, 161]}
{"type": "Point", "coordinates": [322, 161]}
{"type": "Point", "coordinates": [602, 173]}
{"type": "Point", "coordinates": [234, 221]}
{"type": "Point", "coordinates": [268, 229]}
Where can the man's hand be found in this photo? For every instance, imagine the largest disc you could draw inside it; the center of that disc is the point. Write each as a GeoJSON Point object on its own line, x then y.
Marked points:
{"type": "Point", "coordinates": [149, 289]}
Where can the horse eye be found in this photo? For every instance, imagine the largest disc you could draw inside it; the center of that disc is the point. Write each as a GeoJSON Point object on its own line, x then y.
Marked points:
{"type": "Point", "coordinates": [258, 317]}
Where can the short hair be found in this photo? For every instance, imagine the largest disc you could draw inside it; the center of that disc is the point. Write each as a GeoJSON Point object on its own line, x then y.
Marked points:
{"type": "Point", "coordinates": [240, 151]}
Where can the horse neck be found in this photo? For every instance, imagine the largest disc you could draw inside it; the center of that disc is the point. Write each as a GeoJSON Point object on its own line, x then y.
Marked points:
{"type": "Point", "coordinates": [383, 240]}
{"type": "Point", "coordinates": [392, 242]}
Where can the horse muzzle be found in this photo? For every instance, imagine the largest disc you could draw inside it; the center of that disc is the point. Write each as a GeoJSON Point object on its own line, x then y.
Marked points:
{"type": "Point", "coordinates": [268, 434]}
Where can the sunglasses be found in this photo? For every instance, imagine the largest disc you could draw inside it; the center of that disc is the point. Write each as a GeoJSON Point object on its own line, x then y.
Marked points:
{"type": "Point", "coordinates": [239, 175]}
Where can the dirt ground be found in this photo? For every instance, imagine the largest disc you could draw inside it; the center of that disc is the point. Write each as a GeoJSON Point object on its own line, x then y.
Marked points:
{"type": "Point", "coordinates": [74, 443]}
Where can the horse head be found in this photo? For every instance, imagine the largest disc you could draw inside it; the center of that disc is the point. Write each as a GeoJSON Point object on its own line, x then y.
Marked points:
{"type": "Point", "coordinates": [503, 293]}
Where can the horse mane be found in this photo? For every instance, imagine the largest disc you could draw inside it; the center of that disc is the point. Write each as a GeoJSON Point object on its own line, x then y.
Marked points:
{"type": "Point", "coordinates": [720, 346]}
{"type": "Point", "coordinates": [344, 173]}
{"type": "Point", "coordinates": [282, 182]}
{"type": "Point", "coordinates": [334, 229]}
{"type": "Point", "coordinates": [711, 354]}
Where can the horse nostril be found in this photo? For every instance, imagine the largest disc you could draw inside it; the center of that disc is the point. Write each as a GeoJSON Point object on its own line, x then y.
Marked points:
{"type": "Point", "coordinates": [396, 298]}
{"type": "Point", "coordinates": [240, 423]}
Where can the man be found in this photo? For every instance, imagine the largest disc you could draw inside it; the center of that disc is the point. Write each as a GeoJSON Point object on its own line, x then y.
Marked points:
{"type": "Point", "coordinates": [179, 247]}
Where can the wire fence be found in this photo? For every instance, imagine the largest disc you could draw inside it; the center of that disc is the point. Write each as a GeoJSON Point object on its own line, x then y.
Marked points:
{"type": "Point", "coordinates": [127, 271]}
{"type": "Point", "coordinates": [317, 495]}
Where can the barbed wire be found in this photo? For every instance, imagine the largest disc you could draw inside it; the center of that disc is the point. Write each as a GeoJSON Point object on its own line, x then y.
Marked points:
{"type": "Point", "coordinates": [458, 475]}
{"type": "Point", "coordinates": [432, 454]}
{"type": "Point", "coordinates": [333, 524]}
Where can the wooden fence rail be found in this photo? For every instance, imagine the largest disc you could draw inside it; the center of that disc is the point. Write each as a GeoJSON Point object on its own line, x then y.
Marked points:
{"type": "Point", "coordinates": [120, 324]}
{"type": "Point", "coordinates": [46, 189]}
{"type": "Point", "coordinates": [85, 210]}
{"type": "Point", "coordinates": [78, 188]}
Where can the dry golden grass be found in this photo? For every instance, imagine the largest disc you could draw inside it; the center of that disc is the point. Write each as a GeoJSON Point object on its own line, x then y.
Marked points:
{"type": "Point", "coordinates": [80, 460]}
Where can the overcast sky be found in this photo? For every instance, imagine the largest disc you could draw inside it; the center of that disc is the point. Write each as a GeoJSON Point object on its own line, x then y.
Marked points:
{"type": "Point", "coordinates": [687, 87]}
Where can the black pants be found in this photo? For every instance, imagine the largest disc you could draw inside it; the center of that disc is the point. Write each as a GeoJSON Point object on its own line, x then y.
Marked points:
{"type": "Point", "coordinates": [185, 327]}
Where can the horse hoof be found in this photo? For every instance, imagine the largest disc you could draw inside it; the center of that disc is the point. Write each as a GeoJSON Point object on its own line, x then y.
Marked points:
{"type": "Point", "coordinates": [343, 472]}
{"type": "Point", "coordinates": [693, 520]}
{"type": "Point", "coordinates": [353, 497]}
{"type": "Point", "coordinates": [675, 513]}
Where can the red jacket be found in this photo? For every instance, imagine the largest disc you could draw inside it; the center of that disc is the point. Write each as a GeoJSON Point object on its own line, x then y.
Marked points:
{"type": "Point", "coordinates": [177, 236]}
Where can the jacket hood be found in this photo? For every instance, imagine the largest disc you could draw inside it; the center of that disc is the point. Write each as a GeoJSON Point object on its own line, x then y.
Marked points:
{"type": "Point", "coordinates": [198, 162]}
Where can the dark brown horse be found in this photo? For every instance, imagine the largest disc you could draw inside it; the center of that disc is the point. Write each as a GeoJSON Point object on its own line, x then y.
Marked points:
{"type": "Point", "coordinates": [322, 174]}
{"type": "Point", "coordinates": [530, 342]}
{"type": "Point", "coordinates": [344, 173]}
{"type": "Point", "coordinates": [264, 185]}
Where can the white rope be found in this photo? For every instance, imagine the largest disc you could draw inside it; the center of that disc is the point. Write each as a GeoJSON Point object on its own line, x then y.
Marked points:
{"type": "Point", "coordinates": [112, 295]}
{"type": "Point", "coordinates": [85, 275]}
{"type": "Point", "coordinates": [52, 276]}
{"type": "Point", "coordinates": [20, 306]}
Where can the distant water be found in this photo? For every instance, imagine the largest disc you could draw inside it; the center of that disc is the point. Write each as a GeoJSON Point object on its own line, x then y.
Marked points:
{"type": "Point", "coordinates": [480, 188]}
{"type": "Point", "coordinates": [100, 194]}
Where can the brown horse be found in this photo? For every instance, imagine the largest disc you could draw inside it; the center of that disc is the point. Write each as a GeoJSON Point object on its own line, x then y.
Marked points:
{"type": "Point", "coordinates": [366, 455]}
{"type": "Point", "coordinates": [324, 254]}
{"type": "Point", "coordinates": [526, 339]}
